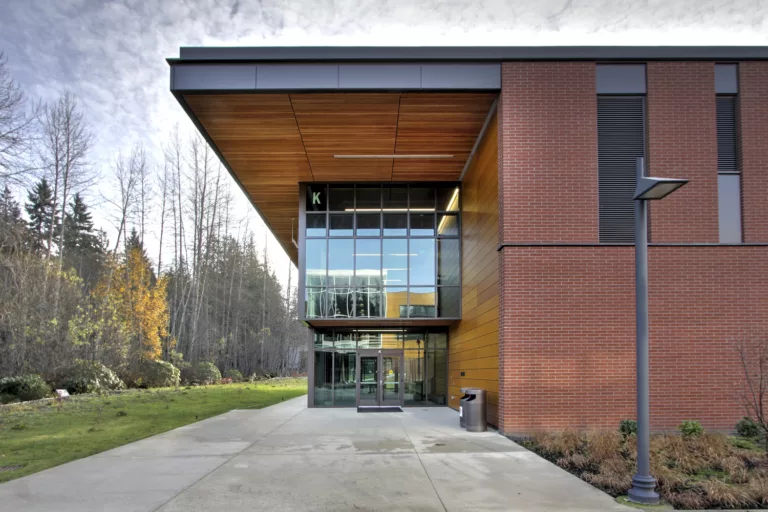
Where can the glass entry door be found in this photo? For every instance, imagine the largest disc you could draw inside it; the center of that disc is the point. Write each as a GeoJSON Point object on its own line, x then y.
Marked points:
{"type": "Point", "coordinates": [379, 378]}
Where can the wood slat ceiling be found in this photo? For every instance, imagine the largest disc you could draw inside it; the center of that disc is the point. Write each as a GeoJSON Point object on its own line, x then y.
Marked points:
{"type": "Point", "coordinates": [271, 142]}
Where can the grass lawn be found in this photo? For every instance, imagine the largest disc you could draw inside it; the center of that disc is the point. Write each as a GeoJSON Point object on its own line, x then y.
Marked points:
{"type": "Point", "coordinates": [712, 470]}
{"type": "Point", "coordinates": [39, 436]}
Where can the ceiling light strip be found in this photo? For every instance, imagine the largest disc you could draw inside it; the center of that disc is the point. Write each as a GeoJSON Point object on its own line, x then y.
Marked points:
{"type": "Point", "coordinates": [392, 156]}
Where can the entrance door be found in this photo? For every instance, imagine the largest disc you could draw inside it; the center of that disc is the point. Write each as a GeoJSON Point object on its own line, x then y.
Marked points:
{"type": "Point", "coordinates": [379, 378]}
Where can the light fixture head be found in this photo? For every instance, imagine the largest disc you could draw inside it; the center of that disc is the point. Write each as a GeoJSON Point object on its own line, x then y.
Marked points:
{"type": "Point", "coordinates": [649, 189]}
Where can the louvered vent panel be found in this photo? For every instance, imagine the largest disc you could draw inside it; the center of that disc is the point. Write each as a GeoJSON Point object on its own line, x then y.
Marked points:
{"type": "Point", "coordinates": [620, 140]}
{"type": "Point", "coordinates": [726, 134]}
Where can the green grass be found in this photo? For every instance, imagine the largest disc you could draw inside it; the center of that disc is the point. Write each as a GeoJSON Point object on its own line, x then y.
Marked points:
{"type": "Point", "coordinates": [40, 436]}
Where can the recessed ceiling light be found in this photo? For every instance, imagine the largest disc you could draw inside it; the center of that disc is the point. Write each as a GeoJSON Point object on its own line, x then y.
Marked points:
{"type": "Point", "coordinates": [394, 156]}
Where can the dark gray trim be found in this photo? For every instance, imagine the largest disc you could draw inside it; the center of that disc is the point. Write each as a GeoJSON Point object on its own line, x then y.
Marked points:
{"type": "Point", "coordinates": [302, 250]}
{"type": "Point", "coordinates": [469, 53]}
{"type": "Point", "coordinates": [311, 369]}
{"type": "Point", "coordinates": [650, 244]}
{"type": "Point", "coordinates": [620, 78]}
{"type": "Point", "coordinates": [480, 136]}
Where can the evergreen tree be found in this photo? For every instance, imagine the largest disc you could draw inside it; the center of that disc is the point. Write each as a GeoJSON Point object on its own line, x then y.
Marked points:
{"type": "Point", "coordinates": [39, 208]}
{"type": "Point", "coordinates": [134, 244]}
{"type": "Point", "coordinates": [84, 246]}
{"type": "Point", "coordinates": [12, 228]}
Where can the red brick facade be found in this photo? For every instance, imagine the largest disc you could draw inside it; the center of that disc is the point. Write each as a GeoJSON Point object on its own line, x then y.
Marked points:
{"type": "Point", "coordinates": [567, 338]}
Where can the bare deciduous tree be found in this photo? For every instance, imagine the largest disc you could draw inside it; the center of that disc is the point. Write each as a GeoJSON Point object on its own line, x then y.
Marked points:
{"type": "Point", "coordinates": [753, 357]}
{"type": "Point", "coordinates": [16, 122]}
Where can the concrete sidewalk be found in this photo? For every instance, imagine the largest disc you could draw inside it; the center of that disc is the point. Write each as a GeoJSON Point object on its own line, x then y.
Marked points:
{"type": "Point", "coordinates": [288, 457]}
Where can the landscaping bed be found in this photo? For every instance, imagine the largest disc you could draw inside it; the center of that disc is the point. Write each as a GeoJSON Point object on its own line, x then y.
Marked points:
{"type": "Point", "coordinates": [42, 434]}
{"type": "Point", "coordinates": [705, 470]}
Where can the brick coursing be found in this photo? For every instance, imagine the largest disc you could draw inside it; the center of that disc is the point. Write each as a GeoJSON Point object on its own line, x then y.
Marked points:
{"type": "Point", "coordinates": [753, 118]}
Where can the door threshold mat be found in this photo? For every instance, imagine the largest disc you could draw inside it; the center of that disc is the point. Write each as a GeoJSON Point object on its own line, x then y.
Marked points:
{"type": "Point", "coordinates": [383, 408]}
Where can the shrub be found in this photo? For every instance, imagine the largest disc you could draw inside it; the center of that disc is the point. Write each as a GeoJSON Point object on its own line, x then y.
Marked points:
{"type": "Point", "coordinates": [88, 377]}
{"type": "Point", "coordinates": [225, 380]}
{"type": "Point", "coordinates": [156, 374]}
{"type": "Point", "coordinates": [746, 427]}
{"type": "Point", "coordinates": [628, 427]}
{"type": "Point", "coordinates": [201, 373]}
{"type": "Point", "coordinates": [23, 388]}
{"type": "Point", "coordinates": [234, 374]}
{"type": "Point", "coordinates": [691, 428]}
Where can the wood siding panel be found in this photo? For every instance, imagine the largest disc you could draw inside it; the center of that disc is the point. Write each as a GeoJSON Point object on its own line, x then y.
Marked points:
{"type": "Point", "coordinates": [474, 341]}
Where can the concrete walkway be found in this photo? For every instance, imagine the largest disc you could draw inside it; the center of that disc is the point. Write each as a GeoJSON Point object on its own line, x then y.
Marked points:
{"type": "Point", "coordinates": [288, 457]}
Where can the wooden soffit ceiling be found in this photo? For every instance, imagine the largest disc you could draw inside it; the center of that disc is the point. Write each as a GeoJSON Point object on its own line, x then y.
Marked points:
{"type": "Point", "coordinates": [271, 142]}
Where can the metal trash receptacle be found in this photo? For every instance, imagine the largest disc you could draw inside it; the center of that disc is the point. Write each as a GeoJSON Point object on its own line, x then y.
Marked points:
{"type": "Point", "coordinates": [474, 410]}
{"type": "Point", "coordinates": [462, 415]}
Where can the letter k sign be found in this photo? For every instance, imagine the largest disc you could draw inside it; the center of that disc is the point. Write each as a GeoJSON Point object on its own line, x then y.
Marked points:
{"type": "Point", "coordinates": [315, 198]}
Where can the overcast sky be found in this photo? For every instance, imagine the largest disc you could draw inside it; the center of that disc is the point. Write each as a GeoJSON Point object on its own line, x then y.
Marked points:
{"type": "Point", "coordinates": [112, 53]}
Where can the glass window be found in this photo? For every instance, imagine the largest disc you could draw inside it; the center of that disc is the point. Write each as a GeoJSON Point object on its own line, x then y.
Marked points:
{"type": "Point", "coordinates": [340, 302]}
{"type": "Point", "coordinates": [448, 225]}
{"type": "Point", "coordinates": [323, 378]}
{"type": "Point", "coordinates": [341, 199]}
{"type": "Point", "coordinates": [436, 377]}
{"type": "Point", "coordinates": [368, 261]}
{"type": "Point", "coordinates": [448, 256]}
{"type": "Point", "coordinates": [368, 197]}
{"type": "Point", "coordinates": [395, 198]}
{"type": "Point", "coordinates": [448, 301]}
{"type": "Point", "coordinates": [415, 372]}
{"type": "Point", "coordinates": [422, 224]}
{"type": "Point", "coordinates": [394, 299]}
{"type": "Point", "coordinates": [422, 261]}
{"type": "Point", "coordinates": [415, 341]}
{"type": "Point", "coordinates": [341, 260]}
{"type": "Point", "coordinates": [448, 198]}
{"type": "Point", "coordinates": [344, 378]}
{"type": "Point", "coordinates": [395, 224]}
{"type": "Point", "coordinates": [422, 198]}
{"type": "Point", "coordinates": [315, 302]}
{"type": "Point", "coordinates": [396, 261]}
{"type": "Point", "coordinates": [341, 224]}
{"type": "Point", "coordinates": [323, 340]}
{"type": "Point", "coordinates": [437, 340]}
{"type": "Point", "coordinates": [368, 303]}
{"type": "Point", "coordinates": [316, 224]}
{"type": "Point", "coordinates": [421, 302]}
{"type": "Point", "coordinates": [392, 340]}
{"type": "Point", "coordinates": [315, 262]}
{"type": "Point", "coordinates": [368, 224]}
{"type": "Point", "coordinates": [729, 208]}
{"type": "Point", "coordinates": [316, 198]}
{"type": "Point", "coordinates": [345, 340]}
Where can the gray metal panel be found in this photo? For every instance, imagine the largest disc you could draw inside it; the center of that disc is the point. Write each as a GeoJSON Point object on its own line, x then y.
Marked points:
{"type": "Point", "coordinates": [379, 76]}
{"type": "Point", "coordinates": [726, 81]}
{"type": "Point", "coordinates": [458, 53]}
{"type": "Point", "coordinates": [729, 208]}
{"type": "Point", "coordinates": [620, 79]}
{"type": "Point", "coordinates": [297, 76]}
{"type": "Point", "coordinates": [727, 153]}
{"type": "Point", "coordinates": [461, 76]}
{"type": "Point", "coordinates": [193, 77]}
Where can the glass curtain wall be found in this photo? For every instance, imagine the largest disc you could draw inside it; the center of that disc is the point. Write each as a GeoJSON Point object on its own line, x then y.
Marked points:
{"type": "Point", "coordinates": [426, 364]}
{"type": "Point", "coordinates": [383, 251]}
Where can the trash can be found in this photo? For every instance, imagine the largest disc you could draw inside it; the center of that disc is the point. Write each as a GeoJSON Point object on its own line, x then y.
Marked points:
{"type": "Point", "coordinates": [474, 410]}
{"type": "Point", "coordinates": [462, 417]}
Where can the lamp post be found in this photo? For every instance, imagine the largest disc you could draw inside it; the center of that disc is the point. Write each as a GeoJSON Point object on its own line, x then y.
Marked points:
{"type": "Point", "coordinates": [648, 189]}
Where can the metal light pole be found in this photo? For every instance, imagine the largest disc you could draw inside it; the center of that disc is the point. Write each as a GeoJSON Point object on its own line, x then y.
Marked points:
{"type": "Point", "coordinates": [643, 484]}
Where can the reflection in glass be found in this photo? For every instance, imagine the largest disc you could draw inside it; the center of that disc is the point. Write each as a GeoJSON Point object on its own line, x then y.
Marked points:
{"type": "Point", "coordinates": [368, 197]}
{"type": "Point", "coordinates": [341, 198]}
{"type": "Point", "coordinates": [448, 261]}
{"type": "Point", "coordinates": [315, 262]}
{"type": "Point", "coordinates": [369, 380]}
{"type": "Point", "coordinates": [368, 262]}
{"type": "Point", "coordinates": [448, 301]}
{"type": "Point", "coordinates": [344, 378]}
{"type": "Point", "coordinates": [340, 302]}
{"type": "Point", "coordinates": [414, 340]}
{"type": "Point", "coordinates": [395, 198]}
{"type": "Point", "coordinates": [340, 261]}
{"type": "Point", "coordinates": [396, 261]}
{"type": "Point", "coordinates": [315, 302]}
{"type": "Point", "coordinates": [368, 302]}
{"type": "Point", "coordinates": [316, 224]}
{"type": "Point", "coordinates": [395, 224]}
{"type": "Point", "coordinates": [368, 224]}
{"type": "Point", "coordinates": [391, 340]}
{"type": "Point", "coordinates": [421, 302]}
{"type": "Point", "coordinates": [395, 298]}
{"type": "Point", "coordinates": [316, 198]}
{"type": "Point", "coordinates": [345, 340]}
{"type": "Point", "coordinates": [341, 224]}
{"type": "Point", "coordinates": [422, 224]}
{"type": "Point", "coordinates": [422, 198]}
{"type": "Point", "coordinates": [448, 225]}
{"type": "Point", "coordinates": [437, 340]}
{"type": "Point", "coordinates": [390, 368]}
{"type": "Point", "coordinates": [415, 372]}
{"type": "Point", "coordinates": [448, 198]}
{"type": "Point", "coordinates": [369, 340]}
{"type": "Point", "coordinates": [436, 376]}
{"type": "Point", "coordinates": [323, 340]}
{"type": "Point", "coordinates": [323, 378]}
{"type": "Point", "coordinates": [422, 261]}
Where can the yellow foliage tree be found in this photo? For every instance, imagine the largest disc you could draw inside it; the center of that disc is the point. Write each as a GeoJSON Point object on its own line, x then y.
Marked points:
{"type": "Point", "coordinates": [140, 301]}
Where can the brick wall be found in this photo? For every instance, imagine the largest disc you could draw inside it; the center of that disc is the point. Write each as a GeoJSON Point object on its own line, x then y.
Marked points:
{"type": "Point", "coordinates": [753, 114]}
{"type": "Point", "coordinates": [567, 337]}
